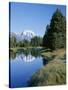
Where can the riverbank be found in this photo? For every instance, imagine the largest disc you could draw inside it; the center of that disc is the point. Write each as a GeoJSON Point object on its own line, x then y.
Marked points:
{"type": "Point", "coordinates": [57, 54]}
{"type": "Point", "coordinates": [54, 73]}
{"type": "Point", "coordinates": [15, 49]}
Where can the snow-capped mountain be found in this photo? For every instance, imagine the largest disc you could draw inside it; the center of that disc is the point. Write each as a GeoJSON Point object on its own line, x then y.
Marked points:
{"type": "Point", "coordinates": [25, 35]}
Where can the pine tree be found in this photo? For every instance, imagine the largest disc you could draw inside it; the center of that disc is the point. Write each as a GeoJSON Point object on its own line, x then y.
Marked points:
{"type": "Point", "coordinates": [55, 35]}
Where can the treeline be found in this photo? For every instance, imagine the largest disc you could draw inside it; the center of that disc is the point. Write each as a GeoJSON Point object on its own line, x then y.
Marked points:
{"type": "Point", "coordinates": [35, 41]}
{"type": "Point", "coordinates": [54, 37]}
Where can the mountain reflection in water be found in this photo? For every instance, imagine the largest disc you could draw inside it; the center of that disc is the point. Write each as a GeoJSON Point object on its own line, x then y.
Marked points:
{"type": "Point", "coordinates": [27, 55]}
{"type": "Point", "coordinates": [28, 58]}
{"type": "Point", "coordinates": [23, 64]}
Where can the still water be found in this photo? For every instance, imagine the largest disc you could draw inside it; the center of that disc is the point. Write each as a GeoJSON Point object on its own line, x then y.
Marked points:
{"type": "Point", "coordinates": [22, 66]}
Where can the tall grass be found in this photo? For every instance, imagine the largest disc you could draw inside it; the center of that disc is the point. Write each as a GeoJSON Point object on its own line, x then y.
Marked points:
{"type": "Point", "coordinates": [53, 73]}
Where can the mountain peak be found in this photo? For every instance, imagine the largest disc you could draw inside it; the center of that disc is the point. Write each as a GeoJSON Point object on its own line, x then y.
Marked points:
{"type": "Point", "coordinates": [27, 34]}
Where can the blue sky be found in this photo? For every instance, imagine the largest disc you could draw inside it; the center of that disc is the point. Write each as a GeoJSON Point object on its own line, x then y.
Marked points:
{"type": "Point", "coordinates": [35, 17]}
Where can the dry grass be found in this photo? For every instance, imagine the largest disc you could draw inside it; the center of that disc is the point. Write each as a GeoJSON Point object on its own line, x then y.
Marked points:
{"type": "Point", "coordinates": [57, 54]}
{"type": "Point", "coordinates": [53, 73]}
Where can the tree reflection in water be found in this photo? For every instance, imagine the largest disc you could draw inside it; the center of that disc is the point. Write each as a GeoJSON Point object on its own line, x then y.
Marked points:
{"type": "Point", "coordinates": [28, 55]}
{"type": "Point", "coordinates": [12, 55]}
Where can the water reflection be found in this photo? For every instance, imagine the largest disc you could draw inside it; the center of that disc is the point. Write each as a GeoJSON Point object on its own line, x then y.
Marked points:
{"type": "Point", "coordinates": [23, 64]}
{"type": "Point", "coordinates": [35, 52]}
{"type": "Point", "coordinates": [12, 55]}
{"type": "Point", "coordinates": [28, 55]}
{"type": "Point", "coordinates": [28, 58]}
{"type": "Point", "coordinates": [44, 61]}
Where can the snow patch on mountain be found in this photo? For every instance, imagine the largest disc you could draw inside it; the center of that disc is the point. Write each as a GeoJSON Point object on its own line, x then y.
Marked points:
{"type": "Point", "coordinates": [25, 35]}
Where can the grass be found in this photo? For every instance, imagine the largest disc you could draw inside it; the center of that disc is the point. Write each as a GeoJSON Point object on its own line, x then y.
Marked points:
{"type": "Point", "coordinates": [57, 54]}
{"type": "Point", "coordinates": [15, 49]}
{"type": "Point", "coordinates": [53, 73]}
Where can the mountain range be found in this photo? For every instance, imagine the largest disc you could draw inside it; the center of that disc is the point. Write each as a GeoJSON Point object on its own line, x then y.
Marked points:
{"type": "Point", "coordinates": [25, 35]}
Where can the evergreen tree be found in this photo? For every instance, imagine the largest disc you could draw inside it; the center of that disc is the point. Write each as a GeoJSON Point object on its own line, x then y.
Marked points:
{"type": "Point", "coordinates": [55, 35]}
{"type": "Point", "coordinates": [36, 41]}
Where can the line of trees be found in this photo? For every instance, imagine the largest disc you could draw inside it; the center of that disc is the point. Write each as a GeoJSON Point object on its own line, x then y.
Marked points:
{"type": "Point", "coordinates": [55, 35]}
{"type": "Point", "coordinates": [35, 41]}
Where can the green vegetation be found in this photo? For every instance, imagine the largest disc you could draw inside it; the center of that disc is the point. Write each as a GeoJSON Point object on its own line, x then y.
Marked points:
{"type": "Point", "coordinates": [13, 49]}
{"type": "Point", "coordinates": [13, 41]}
{"type": "Point", "coordinates": [57, 54]}
{"type": "Point", "coordinates": [54, 73]}
{"type": "Point", "coordinates": [55, 35]}
{"type": "Point", "coordinates": [35, 42]}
